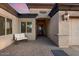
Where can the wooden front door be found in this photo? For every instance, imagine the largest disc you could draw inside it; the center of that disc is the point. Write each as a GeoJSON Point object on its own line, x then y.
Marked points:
{"type": "Point", "coordinates": [41, 27]}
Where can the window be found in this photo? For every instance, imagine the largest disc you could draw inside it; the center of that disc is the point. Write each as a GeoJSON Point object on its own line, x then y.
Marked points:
{"type": "Point", "coordinates": [2, 25]}
{"type": "Point", "coordinates": [9, 26]}
{"type": "Point", "coordinates": [23, 27]}
{"type": "Point", "coordinates": [29, 27]}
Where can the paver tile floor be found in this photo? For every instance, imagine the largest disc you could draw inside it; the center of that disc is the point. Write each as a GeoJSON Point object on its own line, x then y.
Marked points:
{"type": "Point", "coordinates": [39, 47]}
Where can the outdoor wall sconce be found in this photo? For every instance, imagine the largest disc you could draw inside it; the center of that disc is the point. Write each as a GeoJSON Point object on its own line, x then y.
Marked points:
{"type": "Point", "coordinates": [65, 16]}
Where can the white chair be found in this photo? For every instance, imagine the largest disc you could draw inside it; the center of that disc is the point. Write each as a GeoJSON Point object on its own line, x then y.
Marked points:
{"type": "Point", "coordinates": [21, 36]}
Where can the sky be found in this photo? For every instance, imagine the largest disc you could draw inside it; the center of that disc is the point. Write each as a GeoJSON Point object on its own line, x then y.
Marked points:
{"type": "Point", "coordinates": [20, 7]}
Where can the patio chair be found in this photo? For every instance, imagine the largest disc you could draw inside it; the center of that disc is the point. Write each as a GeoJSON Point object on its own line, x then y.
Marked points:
{"type": "Point", "coordinates": [22, 36]}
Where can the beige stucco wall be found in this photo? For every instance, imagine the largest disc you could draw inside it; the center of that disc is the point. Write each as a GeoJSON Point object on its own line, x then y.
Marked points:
{"type": "Point", "coordinates": [53, 28]}
{"type": "Point", "coordinates": [63, 31]}
{"type": "Point", "coordinates": [40, 15]}
{"type": "Point", "coordinates": [59, 30]}
{"type": "Point", "coordinates": [68, 30]}
{"type": "Point", "coordinates": [31, 36]}
{"type": "Point", "coordinates": [6, 40]}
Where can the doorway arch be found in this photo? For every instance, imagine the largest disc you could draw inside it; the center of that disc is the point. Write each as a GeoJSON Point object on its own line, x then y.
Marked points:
{"type": "Point", "coordinates": [42, 26]}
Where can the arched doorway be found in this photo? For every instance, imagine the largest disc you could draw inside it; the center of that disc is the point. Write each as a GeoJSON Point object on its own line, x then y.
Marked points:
{"type": "Point", "coordinates": [41, 26]}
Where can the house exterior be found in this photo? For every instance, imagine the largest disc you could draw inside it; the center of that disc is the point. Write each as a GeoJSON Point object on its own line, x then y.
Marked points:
{"type": "Point", "coordinates": [65, 32]}
{"type": "Point", "coordinates": [62, 26]}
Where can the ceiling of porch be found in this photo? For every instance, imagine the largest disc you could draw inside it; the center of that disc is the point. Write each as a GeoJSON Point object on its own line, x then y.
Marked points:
{"type": "Point", "coordinates": [25, 8]}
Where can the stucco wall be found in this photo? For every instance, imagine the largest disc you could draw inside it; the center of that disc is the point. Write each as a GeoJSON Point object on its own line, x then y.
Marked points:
{"type": "Point", "coordinates": [6, 40]}
{"type": "Point", "coordinates": [31, 36]}
{"type": "Point", "coordinates": [68, 30]}
{"type": "Point", "coordinates": [53, 28]}
{"type": "Point", "coordinates": [40, 15]}
{"type": "Point", "coordinates": [63, 31]}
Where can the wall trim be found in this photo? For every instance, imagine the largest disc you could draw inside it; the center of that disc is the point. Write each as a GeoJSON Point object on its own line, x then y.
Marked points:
{"type": "Point", "coordinates": [27, 15]}
{"type": "Point", "coordinates": [74, 17]}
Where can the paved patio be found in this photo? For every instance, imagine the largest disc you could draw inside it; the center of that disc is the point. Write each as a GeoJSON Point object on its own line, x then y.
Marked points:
{"type": "Point", "coordinates": [72, 51]}
{"type": "Point", "coordinates": [40, 47]}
